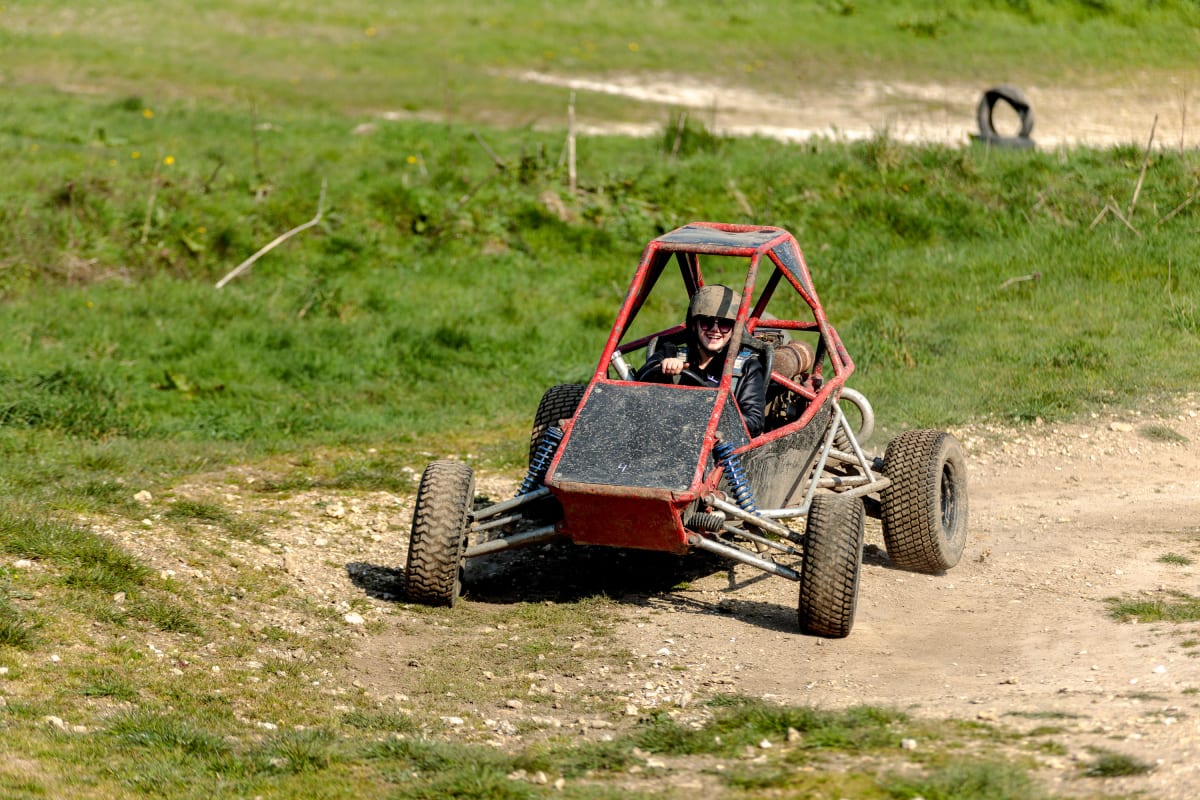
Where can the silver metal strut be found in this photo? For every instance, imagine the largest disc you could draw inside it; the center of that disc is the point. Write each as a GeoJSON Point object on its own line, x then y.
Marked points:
{"type": "Point", "coordinates": [547, 533]}
{"type": "Point", "coordinates": [737, 554]}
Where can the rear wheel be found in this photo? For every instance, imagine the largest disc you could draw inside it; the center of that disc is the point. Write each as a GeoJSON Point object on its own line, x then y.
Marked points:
{"type": "Point", "coordinates": [833, 543]}
{"type": "Point", "coordinates": [441, 520]}
{"type": "Point", "coordinates": [559, 402]}
{"type": "Point", "coordinates": [924, 511]}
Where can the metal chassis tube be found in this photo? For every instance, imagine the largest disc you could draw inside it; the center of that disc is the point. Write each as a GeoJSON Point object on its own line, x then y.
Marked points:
{"type": "Point", "coordinates": [546, 533]}
{"type": "Point", "coordinates": [508, 505]}
{"type": "Point", "coordinates": [738, 554]}
{"type": "Point", "coordinates": [493, 513]}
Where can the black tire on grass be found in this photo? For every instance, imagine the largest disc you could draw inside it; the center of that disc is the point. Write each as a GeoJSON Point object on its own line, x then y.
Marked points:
{"type": "Point", "coordinates": [559, 402]}
{"type": "Point", "coordinates": [829, 572]}
{"type": "Point", "coordinates": [924, 511]}
{"type": "Point", "coordinates": [441, 519]}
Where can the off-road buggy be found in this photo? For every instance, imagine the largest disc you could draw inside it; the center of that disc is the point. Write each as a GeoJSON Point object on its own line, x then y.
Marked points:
{"type": "Point", "coordinates": [672, 467]}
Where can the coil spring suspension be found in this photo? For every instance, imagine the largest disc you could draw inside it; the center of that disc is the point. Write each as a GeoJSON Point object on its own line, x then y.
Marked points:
{"type": "Point", "coordinates": [540, 463]}
{"type": "Point", "coordinates": [713, 521]}
{"type": "Point", "coordinates": [736, 476]}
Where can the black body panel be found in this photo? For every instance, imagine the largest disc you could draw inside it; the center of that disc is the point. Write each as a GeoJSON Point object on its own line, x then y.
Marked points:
{"type": "Point", "coordinates": [643, 435]}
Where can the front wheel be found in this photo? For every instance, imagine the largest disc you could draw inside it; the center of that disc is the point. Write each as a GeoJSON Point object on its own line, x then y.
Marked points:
{"type": "Point", "coordinates": [441, 520]}
{"type": "Point", "coordinates": [829, 572]}
{"type": "Point", "coordinates": [924, 511]}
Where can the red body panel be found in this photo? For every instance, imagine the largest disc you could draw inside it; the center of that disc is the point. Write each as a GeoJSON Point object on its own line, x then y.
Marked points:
{"type": "Point", "coordinates": [644, 519]}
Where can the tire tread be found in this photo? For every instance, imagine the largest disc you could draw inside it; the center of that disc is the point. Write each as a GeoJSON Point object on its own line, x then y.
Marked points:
{"type": "Point", "coordinates": [829, 576]}
{"type": "Point", "coordinates": [440, 520]}
{"type": "Point", "coordinates": [911, 507]}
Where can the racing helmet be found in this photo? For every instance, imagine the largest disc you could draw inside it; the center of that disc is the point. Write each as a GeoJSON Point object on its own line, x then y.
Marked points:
{"type": "Point", "coordinates": [714, 300]}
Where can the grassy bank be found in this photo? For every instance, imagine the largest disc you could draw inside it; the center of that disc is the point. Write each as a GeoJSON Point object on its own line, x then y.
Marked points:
{"type": "Point", "coordinates": [448, 262]}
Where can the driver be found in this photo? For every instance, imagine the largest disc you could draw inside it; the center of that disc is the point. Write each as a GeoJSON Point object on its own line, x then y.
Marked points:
{"type": "Point", "coordinates": [710, 317]}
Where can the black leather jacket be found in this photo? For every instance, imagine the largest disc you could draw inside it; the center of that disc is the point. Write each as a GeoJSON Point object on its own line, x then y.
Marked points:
{"type": "Point", "coordinates": [749, 388]}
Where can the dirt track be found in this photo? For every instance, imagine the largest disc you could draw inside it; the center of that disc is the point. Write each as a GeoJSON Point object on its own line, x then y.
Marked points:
{"type": "Point", "coordinates": [1017, 635]}
{"type": "Point", "coordinates": [1062, 517]}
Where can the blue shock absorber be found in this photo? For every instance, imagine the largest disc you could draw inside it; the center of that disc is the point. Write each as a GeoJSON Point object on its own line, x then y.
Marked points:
{"type": "Point", "coordinates": [736, 476]}
{"type": "Point", "coordinates": [540, 463]}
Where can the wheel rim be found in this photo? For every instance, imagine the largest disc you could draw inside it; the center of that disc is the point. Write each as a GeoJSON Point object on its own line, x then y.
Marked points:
{"type": "Point", "coordinates": [949, 499]}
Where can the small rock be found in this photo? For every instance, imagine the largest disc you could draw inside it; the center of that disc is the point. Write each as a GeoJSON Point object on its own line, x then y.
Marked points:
{"type": "Point", "coordinates": [143, 497]}
{"type": "Point", "coordinates": [22, 563]}
{"type": "Point", "coordinates": [908, 744]}
{"type": "Point", "coordinates": [1120, 427]}
{"type": "Point", "coordinates": [354, 619]}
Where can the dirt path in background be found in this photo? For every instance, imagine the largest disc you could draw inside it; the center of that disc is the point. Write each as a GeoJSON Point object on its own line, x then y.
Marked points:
{"type": "Point", "coordinates": [907, 111]}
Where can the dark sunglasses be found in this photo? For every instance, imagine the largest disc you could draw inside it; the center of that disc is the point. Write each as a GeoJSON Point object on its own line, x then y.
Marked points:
{"type": "Point", "coordinates": [723, 325]}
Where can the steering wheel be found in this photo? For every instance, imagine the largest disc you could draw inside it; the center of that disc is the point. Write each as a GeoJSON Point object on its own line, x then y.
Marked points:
{"type": "Point", "coordinates": [691, 376]}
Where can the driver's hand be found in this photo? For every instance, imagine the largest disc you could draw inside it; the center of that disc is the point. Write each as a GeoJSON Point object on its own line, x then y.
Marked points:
{"type": "Point", "coordinates": [673, 366]}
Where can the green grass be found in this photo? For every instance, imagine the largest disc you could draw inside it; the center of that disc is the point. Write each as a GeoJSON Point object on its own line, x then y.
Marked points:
{"type": "Point", "coordinates": [1162, 433]}
{"type": "Point", "coordinates": [1175, 607]}
{"type": "Point", "coordinates": [740, 723]}
{"type": "Point", "coordinates": [970, 781]}
{"type": "Point", "coordinates": [1110, 764]}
